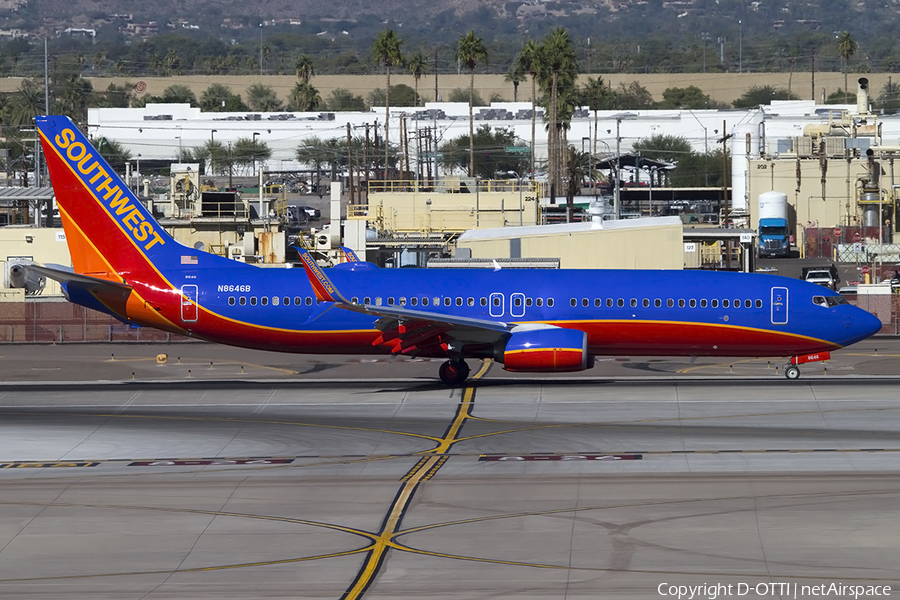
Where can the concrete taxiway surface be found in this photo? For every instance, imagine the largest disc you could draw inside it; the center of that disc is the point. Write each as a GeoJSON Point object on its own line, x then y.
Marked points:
{"type": "Point", "coordinates": [332, 478]}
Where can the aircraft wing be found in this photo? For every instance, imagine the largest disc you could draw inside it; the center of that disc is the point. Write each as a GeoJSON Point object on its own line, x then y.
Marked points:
{"type": "Point", "coordinates": [407, 330]}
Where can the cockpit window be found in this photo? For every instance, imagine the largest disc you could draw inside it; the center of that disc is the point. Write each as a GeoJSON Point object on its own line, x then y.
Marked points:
{"type": "Point", "coordinates": [829, 301]}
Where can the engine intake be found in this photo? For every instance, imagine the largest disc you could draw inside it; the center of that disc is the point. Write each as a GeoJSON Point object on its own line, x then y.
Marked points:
{"type": "Point", "coordinates": [546, 350]}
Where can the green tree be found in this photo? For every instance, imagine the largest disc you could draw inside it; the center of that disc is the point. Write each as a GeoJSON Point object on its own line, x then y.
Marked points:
{"type": "Point", "coordinates": [215, 153]}
{"type": "Point", "coordinates": [515, 75]}
{"type": "Point", "coordinates": [401, 95]}
{"type": "Point", "coordinates": [560, 69]}
{"type": "Point", "coordinates": [889, 98]}
{"type": "Point", "coordinates": [686, 97]}
{"type": "Point", "coordinates": [247, 152]}
{"type": "Point", "coordinates": [305, 98]}
{"type": "Point", "coordinates": [846, 47]}
{"type": "Point", "coordinates": [530, 60]}
{"type": "Point", "coordinates": [26, 104]}
{"type": "Point", "coordinates": [762, 94]}
{"type": "Point", "coordinates": [698, 170]}
{"type": "Point", "coordinates": [386, 52]}
{"type": "Point", "coordinates": [470, 50]}
{"type": "Point", "coordinates": [178, 94]}
{"type": "Point", "coordinates": [461, 95]}
{"type": "Point", "coordinates": [304, 68]}
{"type": "Point", "coordinates": [418, 66]}
{"type": "Point", "coordinates": [342, 99]}
{"type": "Point", "coordinates": [263, 98]}
{"type": "Point", "coordinates": [633, 96]}
{"type": "Point", "coordinates": [219, 98]}
{"type": "Point", "coordinates": [667, 148]}
{"type": "Point", "coordinates": [490, 156]}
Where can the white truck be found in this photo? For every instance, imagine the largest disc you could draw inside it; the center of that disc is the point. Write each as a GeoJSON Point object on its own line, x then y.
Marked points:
{"type": "Point", "coordinates": [825, 276]}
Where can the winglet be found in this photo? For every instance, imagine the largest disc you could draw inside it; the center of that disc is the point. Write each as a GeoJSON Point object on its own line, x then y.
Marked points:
{"type": "Point", "coordinates": [322, 286]}
{"type": "Point", "coordinates": [349, 255]}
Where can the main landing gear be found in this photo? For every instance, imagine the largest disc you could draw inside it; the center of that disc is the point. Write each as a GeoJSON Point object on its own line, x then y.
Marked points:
{"type": "Point", "coordinates": [454, 371]}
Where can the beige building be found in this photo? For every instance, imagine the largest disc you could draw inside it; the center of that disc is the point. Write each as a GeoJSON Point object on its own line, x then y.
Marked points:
{"type": "Point", "coordinates": [653, 243]}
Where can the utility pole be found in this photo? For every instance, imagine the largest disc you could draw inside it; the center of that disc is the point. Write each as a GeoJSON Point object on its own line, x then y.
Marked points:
{"type": "Point", "coordinates": [350, 164]}
{"type": "Point", "coordinates": [726, 213]}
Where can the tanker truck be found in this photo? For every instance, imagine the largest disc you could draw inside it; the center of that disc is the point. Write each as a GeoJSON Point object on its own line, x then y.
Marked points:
{"type": "Point", "coordinates": [774, 237]}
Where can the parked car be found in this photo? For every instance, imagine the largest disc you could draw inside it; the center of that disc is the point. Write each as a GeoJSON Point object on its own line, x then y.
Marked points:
{"type": "Point", "coordinates": [312, 213]}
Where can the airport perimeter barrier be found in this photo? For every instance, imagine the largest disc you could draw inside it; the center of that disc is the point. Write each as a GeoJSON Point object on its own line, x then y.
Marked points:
{"type": "Point", "coordinates": [37, 321]}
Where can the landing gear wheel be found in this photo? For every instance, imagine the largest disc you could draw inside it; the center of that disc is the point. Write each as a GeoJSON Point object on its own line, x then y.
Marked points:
{"type": "Point", "coordinates": [792, 371]}
{"type": "Point", "coordinates": [453, 372]}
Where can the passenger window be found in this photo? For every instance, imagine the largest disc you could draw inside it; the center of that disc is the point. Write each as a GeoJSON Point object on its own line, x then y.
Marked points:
{"type": "Point", "coordinates": [657, 303]}
{"type": "Point", "coordinates": [725, 304]}
{"type": "Point", "coordinates": [702, 302]}
{"type": "Point", "coordinates": [402, 301]}
{"type": "Point", "coordinates": [459, 301]}
{"type": "Point", "coordinates": [483, 301]}
{"type": "Point", "coordinates": [309, 301]}
{"type": "Point", "coordinates": [646, 302]}
{"type": "Point", "coordinates": [759, 304]}
{"type": "Point", "coordinates": [252, 300]}
{"type": "Point", "coordinates": [470, 301]}
{"type": "Point", "coordinates": [633, 302]}
{"type": "Point", "coordinates": [737, 304]}
{"type": "Point", "coordinates": [693, 303]}
{"type": "Point", "coordinates": [390, 301]}
{"type": "Point", "coordinates": [298, 301]}
{"type": "Point", "coordinates": [585, 302]}
{"type": "Point", "coordinates": [539, 301]}
{"type": "Point", "coordinates": [550, 302]}
{"type": "Point", "coordinates": [748, 304]}
{"type": "Point", "coordinates": [447, 301]}
{"type": "Point", "coordinates": [670, 303]}
{"type": "Point", "coordinates": [620, 302]}
{"type": "Point", "coordinates": [609, 302]}
{"type": "Point", "coordinates": [714, 303]}
{"type": "Point", "coordinates": [517, 301]}
{"type": "Point", "coordinates": [573, 302]}
{"type": "Point", "coordinates": [265, 300]}
{"type": "Point", "coordinates": [527, 301]}
{"type": "Point", "coordinates": [377, 300]}
{"type": "Point", "coordinates": [424, 301]}
{"type": "Point", "coordinates": [597, 302]}
{"type": "Point", "coordinates": [681, 303]}
{"type": "Point", "coordinates": [243, 301]}
{"type": "Point", "coordinates": [414, 301]}
{"type": "Point", "coordinates": [496, 300]}
{"type": "Point", "coordinates": [231, 301]}
{"type": "Point", "coordinates": [354, 300]}
{"type": "Point", "coordinates": [436, 301]}
{"type": "Point", "coordinates": [367, 300]}
{"type": "Point", "coordinates": [286, 300]}
{"type": "Point", "coordinates": [275, 300]}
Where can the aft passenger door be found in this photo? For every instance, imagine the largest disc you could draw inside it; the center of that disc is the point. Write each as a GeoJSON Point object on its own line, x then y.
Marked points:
{"type": "Point", "coordinates": [779, 305]}
{"type": "Point", "coordinates": [517, 305]}
{"type": "Point", "coordinates": [189, 299]}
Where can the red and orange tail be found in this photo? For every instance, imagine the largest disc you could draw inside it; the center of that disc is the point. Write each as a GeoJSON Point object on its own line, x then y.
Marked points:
{"type": "Point", "coordinates": [110, 233]}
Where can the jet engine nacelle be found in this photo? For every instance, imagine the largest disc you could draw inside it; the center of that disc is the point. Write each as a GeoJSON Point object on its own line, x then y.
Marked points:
{"type": "Point", "coordinates": [20, 276]}
{"type": "Point", "coordinates": [546, 350]}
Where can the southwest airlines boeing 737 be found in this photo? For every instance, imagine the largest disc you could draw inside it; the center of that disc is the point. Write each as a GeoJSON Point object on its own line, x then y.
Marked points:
{"type": "Point", "coordinates": [126, 265]}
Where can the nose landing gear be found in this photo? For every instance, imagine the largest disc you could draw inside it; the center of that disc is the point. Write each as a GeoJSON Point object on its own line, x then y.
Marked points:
{"type": "Point", "coordinates": [453, 372]}
{"type": "Point", "coordinates": [792, 371]}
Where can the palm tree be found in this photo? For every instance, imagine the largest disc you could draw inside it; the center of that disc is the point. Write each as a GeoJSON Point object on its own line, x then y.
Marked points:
{"type": "Point", "coordinates": [418, 66]}
{"type": "Point", "coordinates": [262, 98]}
{"type": "Point", "coordinates": [594, 95]}
{"type": "Point", "coordinates": [26, 104]}
{"type": "Point", "coordinates": [470, 50]}
{"type": "Point", "coordinates": [846, 47]}
{"type": "Point", "coordinates": [530, 59]}
{"type": "Point", "coordinates": [304, 98]}
{"type": "Point", "coordinates": [304, 68]}
{"type": "Point", "coordinates": [561, 65]}
{"type": "Point", "coordinates": [515, 76]}
{"type": "Point", "coordinates": [386, 51]}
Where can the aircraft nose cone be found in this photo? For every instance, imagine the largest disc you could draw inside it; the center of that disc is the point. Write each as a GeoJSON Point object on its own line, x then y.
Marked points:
{"type": "Point", "coordinates": [864, 324]}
